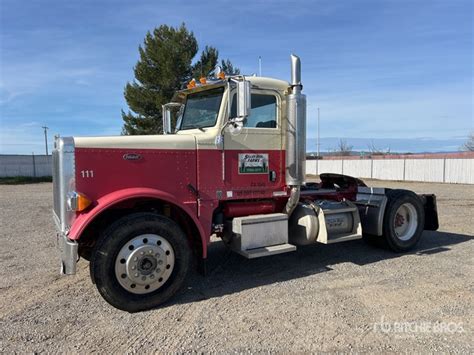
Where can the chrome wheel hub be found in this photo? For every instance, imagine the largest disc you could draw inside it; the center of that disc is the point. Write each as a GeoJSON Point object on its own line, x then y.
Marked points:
{"type": "Point", "coordinates": [405, 222]}
{"type": "Point", "coordinates": [144, 263]}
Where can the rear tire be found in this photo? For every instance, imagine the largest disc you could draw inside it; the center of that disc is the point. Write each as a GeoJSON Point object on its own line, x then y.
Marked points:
{"type": "Point", "coordinates": [404, 220]}
{"type": "Point", "coordinates": [140, 261]}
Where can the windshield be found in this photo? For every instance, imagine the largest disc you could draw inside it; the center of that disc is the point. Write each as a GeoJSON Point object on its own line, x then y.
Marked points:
{"type": "Point", "coordinates": [201, 109]}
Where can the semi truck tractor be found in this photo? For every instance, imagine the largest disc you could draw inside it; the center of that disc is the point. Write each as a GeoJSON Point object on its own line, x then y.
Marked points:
{"type": "Point", "coordinates": [231, 163]}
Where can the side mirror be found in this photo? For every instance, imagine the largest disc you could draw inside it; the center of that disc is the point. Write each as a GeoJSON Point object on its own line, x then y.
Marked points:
{"type": "Point", "coordinates": [243, 99]}
{"type": "Point", "coordinates": [166, 119]}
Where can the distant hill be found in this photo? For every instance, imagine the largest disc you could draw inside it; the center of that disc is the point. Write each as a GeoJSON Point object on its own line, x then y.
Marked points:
{"type": "Point", "coordinates": [396, 145]}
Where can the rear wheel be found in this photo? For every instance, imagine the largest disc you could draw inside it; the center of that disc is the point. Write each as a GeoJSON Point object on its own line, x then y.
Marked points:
{"type": "Point", "coordinates": [404, 220]}
{"type": "Point", "coordinates": [140, 261]}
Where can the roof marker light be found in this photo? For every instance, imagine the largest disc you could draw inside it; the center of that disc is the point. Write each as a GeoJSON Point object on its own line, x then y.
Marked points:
{"type": "Point", "coordinates": [191, 84]}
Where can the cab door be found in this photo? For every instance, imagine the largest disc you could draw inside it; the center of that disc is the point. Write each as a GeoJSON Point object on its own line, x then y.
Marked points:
{"type": "Point", "coordinates": [254, 155]}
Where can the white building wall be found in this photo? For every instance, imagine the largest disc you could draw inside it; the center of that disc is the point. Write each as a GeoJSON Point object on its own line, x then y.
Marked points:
{"type": "Point", "coordinates": [459, 171]}
{"type": "Point", "coordinates": [311, 167]}
{"type": "Point", "coordinates": [388, 169]}
{"type": "Point", "coordinates": [429, 170]}
{"type": "Point", "coordinates": [358, 168]}
{"type": "Point", "coordinates": [25, 165]}
{"type": "Point", "coordinates": [330, 166]}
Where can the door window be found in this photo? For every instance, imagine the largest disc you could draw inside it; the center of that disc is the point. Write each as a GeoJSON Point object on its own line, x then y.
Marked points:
{"type": "Point", "coordinates": [262, 114]}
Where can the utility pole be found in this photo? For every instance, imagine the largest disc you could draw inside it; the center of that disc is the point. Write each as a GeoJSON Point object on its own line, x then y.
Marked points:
{"type": "Point", "coordinates": [46, 138]}
{"type": "Point", "coordinates": [259, 66]}
{"type": "Point", "coordinates": [319, 142]}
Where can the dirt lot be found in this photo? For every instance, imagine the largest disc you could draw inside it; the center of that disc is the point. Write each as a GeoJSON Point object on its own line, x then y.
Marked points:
{"type": "Point", "coordinates": [341, 297]}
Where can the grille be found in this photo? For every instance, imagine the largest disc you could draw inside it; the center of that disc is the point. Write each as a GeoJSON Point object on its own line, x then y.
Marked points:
{"type": "Point", "coordinates": [56, 184]}
{"type": "Point", "coordinates": [63, 180]}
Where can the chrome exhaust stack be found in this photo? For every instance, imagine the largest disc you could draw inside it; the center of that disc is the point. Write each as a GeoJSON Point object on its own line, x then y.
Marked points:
{"type": "Point", "coordinates": [295, 136]}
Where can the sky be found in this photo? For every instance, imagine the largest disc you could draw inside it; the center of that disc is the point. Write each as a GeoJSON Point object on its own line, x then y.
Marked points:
{"type": "Point", "coordinates": [389, 70]}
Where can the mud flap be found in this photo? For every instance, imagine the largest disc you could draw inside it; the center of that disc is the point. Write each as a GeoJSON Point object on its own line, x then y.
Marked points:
{"type": "Point", "coordinates": [431, 212]}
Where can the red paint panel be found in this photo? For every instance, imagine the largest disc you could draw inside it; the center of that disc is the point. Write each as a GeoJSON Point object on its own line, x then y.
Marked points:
{"type": "Point", "coordinates": [212, 178]}
{"type": "Point", "coordinates": [109, 200]}
{"type": "Point", "coordinates": [102, 171]}
{"type": "Point", "coordinates": [238, 209]}
{"type": "Point", "coordinates": [209, 173]}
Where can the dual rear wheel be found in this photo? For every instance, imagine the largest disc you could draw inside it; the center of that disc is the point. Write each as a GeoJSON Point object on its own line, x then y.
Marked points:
{"type": "Point", "coordinates": [403, 222]}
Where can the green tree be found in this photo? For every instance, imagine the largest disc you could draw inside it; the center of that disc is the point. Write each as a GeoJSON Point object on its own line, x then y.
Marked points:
{"type": "Point", "coordinates": [165, 64]}
{"type": "Point", "coordinates": [229, 68]}
{"type": "Point", "coordinates": [206, 63]}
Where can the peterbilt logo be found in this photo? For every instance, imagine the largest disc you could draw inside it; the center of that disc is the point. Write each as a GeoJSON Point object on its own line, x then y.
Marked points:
{"type": "Point", "coordinates": [132, 156]}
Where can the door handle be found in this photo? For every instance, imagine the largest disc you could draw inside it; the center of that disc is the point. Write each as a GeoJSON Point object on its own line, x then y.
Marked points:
{"type": "Point", "coordinates": [272, 175]}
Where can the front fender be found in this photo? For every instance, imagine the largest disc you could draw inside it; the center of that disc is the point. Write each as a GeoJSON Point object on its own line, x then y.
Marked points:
{"type": "Point", "coordinates": [112, 199]}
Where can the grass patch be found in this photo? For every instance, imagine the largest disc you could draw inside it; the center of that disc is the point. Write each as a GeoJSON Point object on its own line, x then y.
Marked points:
{"type": "Point", "coordinates": [19, 180]}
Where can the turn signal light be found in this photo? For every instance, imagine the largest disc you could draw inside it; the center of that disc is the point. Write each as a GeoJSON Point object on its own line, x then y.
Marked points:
{"type": "Point", "coordinates": [77, 202]}
{"type": "Point", "coordinates": [82, 202]}
{"type": "Point", "coordinates": [202, 80]}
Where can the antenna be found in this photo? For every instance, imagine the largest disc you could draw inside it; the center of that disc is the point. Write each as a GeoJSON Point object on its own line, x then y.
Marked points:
{"type": "Point", "coordinates": [259, 66]}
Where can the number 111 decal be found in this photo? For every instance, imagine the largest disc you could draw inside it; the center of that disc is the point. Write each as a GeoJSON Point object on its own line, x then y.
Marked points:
{"type": "Point", "coordinates": [87, 173]}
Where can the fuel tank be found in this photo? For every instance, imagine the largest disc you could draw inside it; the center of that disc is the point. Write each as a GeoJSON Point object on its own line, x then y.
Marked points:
{"type": "Point", "coordinates": [324, 222]}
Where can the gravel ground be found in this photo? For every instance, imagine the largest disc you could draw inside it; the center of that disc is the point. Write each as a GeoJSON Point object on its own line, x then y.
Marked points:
{"type": "Point", "coordinates": [340, 297]}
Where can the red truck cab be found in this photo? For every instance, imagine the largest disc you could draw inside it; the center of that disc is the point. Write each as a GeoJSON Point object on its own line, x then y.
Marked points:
{"type": "Point", "coordinates": [140, 207]}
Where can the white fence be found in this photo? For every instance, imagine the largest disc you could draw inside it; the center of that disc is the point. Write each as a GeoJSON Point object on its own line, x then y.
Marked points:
{"type": "Point", "coordinates": [450, 170]}
{"type": "Point", "coordinates": [25, 165]}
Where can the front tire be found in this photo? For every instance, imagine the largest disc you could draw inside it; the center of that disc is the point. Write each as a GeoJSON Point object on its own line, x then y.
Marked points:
{"type": "Point", "coordinates": [404, 220]}
{"type": "Point", "coordinates": [140, 261]}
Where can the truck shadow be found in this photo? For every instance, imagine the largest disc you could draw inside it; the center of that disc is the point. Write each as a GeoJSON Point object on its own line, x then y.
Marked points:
{"type": "Point", "coordinates": [231, 273]}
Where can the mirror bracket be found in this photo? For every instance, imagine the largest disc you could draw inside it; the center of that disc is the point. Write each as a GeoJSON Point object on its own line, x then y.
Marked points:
{"type": "Point", "coordinates": [243, 99]}
{"type": "Point", "coordinates": [166, 115]}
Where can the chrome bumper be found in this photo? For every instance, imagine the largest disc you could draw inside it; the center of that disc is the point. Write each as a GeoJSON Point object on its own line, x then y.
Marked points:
{"type": "Point", "coordinates": [68, 253]}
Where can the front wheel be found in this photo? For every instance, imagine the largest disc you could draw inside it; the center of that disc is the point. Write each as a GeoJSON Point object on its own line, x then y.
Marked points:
{"type": "Point", "coordinates": [140, 261]}
{"type": "Point", "coordinates": [404, 220]}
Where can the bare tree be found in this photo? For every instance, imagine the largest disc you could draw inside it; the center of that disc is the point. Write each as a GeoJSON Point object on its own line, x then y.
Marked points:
{"type": "Point", "coordinates": [374, 150]}
{"type": "Point", "coordinates": [343, 148]}
{"type": "Point", "coordinates": [469, 145]}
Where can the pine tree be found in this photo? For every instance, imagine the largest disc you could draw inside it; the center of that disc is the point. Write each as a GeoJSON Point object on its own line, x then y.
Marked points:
{"type": "Point", "coordinates": [229, 68]}
{"type": "Point", "coordinates": [206, 63]}
{"type": "Point", "coordinates": [165, 62]}
{"type": "Point", "coordinates": [164, 65]}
